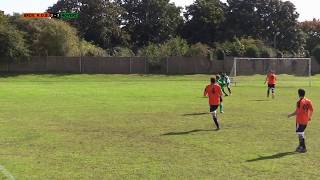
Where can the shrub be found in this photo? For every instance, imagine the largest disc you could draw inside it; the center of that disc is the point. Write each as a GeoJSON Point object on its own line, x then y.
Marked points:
{"type": "Point", "coordinates": [252, 51]}
{"type": "Point", "coordinates": [153, 53]}
{"type": "Point", "coordinates": [174, 47]}
{"type": "Point", "coordinates": [279, 54]}
{"type": "Point", "coordinates": [235, 48]}
{"type": "Point", "coordinates": [13, 44]}
{"type": "Point", "coordinates": [316, 53]}
{"type": "Point", "coordinates": [220, 54]}
{"type": "Point", "coordinates": [266, 52]}
{"type": "Point", "coordinates": [198, 49]}
{"type": "Point", "coordinates": [306, 54]}
{"type": "Point", "coordinates": [246, 42]}
{"type": "Point", "coordinates": [289, 54]}
{"type": "Point", "coordinates": [121, 52]}
{"type": "Point", "coordinates": [88, 49]}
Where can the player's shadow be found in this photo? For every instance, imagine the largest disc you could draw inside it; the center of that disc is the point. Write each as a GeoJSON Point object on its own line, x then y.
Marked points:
{"type": "Point", "coordinates": [275, 156]}
{"type": "Point", "coordinates": [196, 114]}
{"type": "Point", "coordinates": [187, 132]}
{"type": "Point", "coordinates": [259, 100]}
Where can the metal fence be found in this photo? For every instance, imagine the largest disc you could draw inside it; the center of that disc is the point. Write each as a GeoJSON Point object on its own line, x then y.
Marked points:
{"type": "Point", "coordinates": [126, 65]}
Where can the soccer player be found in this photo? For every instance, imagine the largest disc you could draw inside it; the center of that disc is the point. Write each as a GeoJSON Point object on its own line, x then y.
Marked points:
{"type": "Point", "coordinates": [303, 115]}
{"type": "Point", "coordinates": [213, 91]}
{"type": "Point", "coordinates": [221, 83]}
{"type": "Point", "coordinates": [228, 82]}
{"type": "Point", "coordinates": [271, 79]}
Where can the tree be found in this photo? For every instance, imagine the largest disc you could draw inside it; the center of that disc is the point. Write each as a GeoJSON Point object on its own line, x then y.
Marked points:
{"type": "Point", "coordinates": [12, 42]}
{"type": "Point", "coordinates": [50, 37]}
{"type": "Point", "coordinates": [285, 21]}
{"type": "Point", "coordinates": [98, 22]}
{"type": "Point", "coordinates": [273, 21]}
{"type": "Point", "coordinates": [241, 19]}
{"type": "Point", "coordinates": [150, 21]}
{"type": "Point", "coordinates": [203, 20]}
{"type": "Point", "coordinates": [312, 30]}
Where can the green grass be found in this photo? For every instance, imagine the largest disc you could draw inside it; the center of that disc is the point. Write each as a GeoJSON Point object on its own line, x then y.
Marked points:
{"type": "Point", "coordinates": [138, 127]}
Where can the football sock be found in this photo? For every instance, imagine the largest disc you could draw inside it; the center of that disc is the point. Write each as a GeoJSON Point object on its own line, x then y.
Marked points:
{"type": "Point", "coordinates": [221, 107]}
{"type": "Point", "coordinates": [302, 141]}
{"type": "Point", "coordinates": [216, 122]}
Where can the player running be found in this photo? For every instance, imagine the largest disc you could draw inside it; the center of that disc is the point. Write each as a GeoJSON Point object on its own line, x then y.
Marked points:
{"type": "Point", "coordinates": [303, 115]}
{"type": "Point", "coordinates": [271, 79]}
{"type": "Point", "coordinates": [228, 82]}
{"type": "Point", "coordinates": [213, 91]}
{"type": "Point", "coordinates": [221, 83]}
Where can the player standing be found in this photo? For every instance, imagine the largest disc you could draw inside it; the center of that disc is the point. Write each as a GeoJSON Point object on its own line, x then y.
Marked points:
{"type": "Point", "coordinates": [213, 91]}
{"type": "Point", "coordinates": [271, 79]}
{"type": "Point", "coordinates": [303, 115]}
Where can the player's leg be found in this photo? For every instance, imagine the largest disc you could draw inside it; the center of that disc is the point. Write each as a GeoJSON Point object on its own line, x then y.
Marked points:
{"type": "Point", "coordinates": [213, 111]}
{"type": "Point", "coordinates": [268, 92]}
{"type": "Point", "coordinates": [273, 91]}
{"type": "Point", "coordinates": [300, 132]}
{"type": "Point", "coordinates": [229, 89]}
{"type": "Point", "coordinates": [221, 105]}
{"type": "Point", "coordinates": [222, 88]}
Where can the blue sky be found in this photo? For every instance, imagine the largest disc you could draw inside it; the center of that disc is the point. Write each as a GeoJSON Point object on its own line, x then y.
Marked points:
{"type": "Point", "coordinates": [308, 9]}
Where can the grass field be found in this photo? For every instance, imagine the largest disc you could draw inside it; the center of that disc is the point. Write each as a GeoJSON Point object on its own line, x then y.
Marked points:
{"type": "Point", "coordinates": [151, 127]}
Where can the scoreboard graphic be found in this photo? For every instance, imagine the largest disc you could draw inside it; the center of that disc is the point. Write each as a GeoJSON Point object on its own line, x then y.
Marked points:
{"type": "Point", "coordinates": [61, 15]}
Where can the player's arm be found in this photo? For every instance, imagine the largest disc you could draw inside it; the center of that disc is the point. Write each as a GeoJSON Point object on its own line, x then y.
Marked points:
{"type": "Point", "coordinates": [266, 80]}
{"type": "Point", "coordinates": [205, 93]}
{"type": "Point", "coordinates": [292, 114]}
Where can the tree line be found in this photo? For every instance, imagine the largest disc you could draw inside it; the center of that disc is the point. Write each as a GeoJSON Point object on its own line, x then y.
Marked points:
{"type": "Point", "coordinates": [154, 28]}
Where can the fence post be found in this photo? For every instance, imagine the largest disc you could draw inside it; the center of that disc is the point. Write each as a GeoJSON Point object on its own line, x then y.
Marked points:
{"type": "Point", "coordinates": [167, 63]}
{"type": "Point", "coordinates": [145, 65]}
{"type": "Point", "coordinates": [130, 70]}
{"type": "Point", "coordinates": [47, 64]}
{"type": "Point", "coordinates": [80, 64]}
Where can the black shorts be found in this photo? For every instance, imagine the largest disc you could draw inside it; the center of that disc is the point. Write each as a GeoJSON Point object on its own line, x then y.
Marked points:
{"type": "Point", "coordinates": [271, 85]}
{"type": "Point", "coordinates": [213, 107]}
{"type": "Point", "coordinates": [301, 127]}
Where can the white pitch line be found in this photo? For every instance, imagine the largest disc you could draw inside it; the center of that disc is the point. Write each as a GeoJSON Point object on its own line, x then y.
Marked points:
{"type": "Point", "coordinates": [6, 173]}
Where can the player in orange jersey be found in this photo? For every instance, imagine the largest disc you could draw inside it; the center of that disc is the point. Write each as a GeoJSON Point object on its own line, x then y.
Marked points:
{"type": "Point", "coordinates": [213, 91]}
{"type": "Point", "coordinates": [303, 115]}
{"type": "Point", "coordinates": [271, 79]}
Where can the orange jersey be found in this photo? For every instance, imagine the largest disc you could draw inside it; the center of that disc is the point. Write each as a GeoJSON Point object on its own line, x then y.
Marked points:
{"type": "Point", "coordinates": [304, 108]}
{"type": "Point", "coordinates": [271, 78]}
{"type": "Point", "coordinates": [213, 91]}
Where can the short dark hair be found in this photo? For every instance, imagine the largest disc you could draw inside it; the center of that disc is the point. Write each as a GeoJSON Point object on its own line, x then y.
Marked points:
{"type": "Point", "coordinates": [218, 77]}
{"type": "Point", "coordinates": [301, 92]}
{"type": "Point", "coordinates": [213, 80]}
